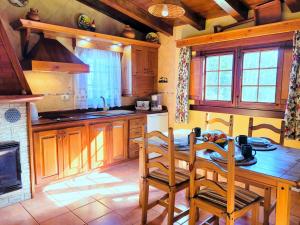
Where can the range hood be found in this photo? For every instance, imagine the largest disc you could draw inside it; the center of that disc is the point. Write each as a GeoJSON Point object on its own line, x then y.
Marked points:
{"type": "Point", "coordinates": [49, 55]}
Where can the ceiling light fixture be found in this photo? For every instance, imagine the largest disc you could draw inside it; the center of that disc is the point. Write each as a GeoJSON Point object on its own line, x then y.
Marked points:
{"type": "Point", "coordinates": [170, 9]}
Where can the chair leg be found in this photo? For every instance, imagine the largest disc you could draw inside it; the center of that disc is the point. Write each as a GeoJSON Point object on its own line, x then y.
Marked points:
{"type": "Point", "coordinates": [217, 221]}
{"type": "Point", "coordinates": [193, 213]}
{"type": "Point", "coordinates": [145, 195]}
{"type": "Point", "coordinates": [230, 220]}
{"type": "Point", "coordinates": [247, 187]}
{"type": "Point", "coordinates": [255, 214]}
{"type": "Point", "coordinates": [171, 207]}
{"type": "Point", "coordinates": [267, 205]}
{"type": "Point", "coordinates": [187, 193]}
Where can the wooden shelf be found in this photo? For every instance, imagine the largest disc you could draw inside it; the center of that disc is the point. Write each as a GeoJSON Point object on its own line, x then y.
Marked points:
{"type": "Point", "coordinates": [250, 32]}
{"type": "Point", "coordinates": [19, 98]}
{"type": "Point", "coordinates": [60, 31]}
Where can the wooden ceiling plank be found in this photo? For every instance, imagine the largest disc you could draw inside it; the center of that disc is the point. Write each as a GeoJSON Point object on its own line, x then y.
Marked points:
{"type": "Point", "coordinates": [235, 8]}
{"type": "Point", "coordinates": [192, 18]}
{"type": "Point", "coordinates": [256, 31]}
{"type": "Point", "coordinates": [294, 5]}
{"type": "Point", "coordinates": [138, 14]}
{"type": "Point", "coordinates": [103, 8]}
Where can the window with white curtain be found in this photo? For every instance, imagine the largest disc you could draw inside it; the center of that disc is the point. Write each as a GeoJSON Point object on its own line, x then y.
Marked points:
{"type": "Point", "coordinates": [104, 79]}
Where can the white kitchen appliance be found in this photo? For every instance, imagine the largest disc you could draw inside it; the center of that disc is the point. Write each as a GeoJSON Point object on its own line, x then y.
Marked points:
{"type": "Point", "coordinates": [156, 102]}
{"type": "Point", "coordinates": [158, 121]}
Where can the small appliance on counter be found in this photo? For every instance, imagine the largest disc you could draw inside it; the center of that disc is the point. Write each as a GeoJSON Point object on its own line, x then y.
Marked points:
{"type": "Point", "coordinates": [142, 105]}
{"type": "Point", "coordinates": [156, 102]}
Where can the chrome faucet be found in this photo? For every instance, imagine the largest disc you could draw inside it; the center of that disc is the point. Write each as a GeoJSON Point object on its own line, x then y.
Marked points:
{"type": "Point", "coordinates": [105, 108]}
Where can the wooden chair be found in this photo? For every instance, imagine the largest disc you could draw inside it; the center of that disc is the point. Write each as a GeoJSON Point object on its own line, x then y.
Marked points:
{"type": "Point", "coordinates": [279, 131]}
{"type": "Point", "coordinates": [223, 200]}
{"type": "Point", "coordinates": [164, 176]}
{"type": "Point", "coordinates": [209, 121]}
{"type": "Point", "coordinates": [229, 124]}
{"type": "Point", "coordinates": [267, 204]}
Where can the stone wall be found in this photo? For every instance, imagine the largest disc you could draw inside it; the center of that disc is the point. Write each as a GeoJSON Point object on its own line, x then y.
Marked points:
{"type": "Point", "coordinates": [16, 132]}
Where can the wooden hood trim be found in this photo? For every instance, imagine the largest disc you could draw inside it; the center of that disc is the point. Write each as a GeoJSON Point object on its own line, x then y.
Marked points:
{"type": "Point", "coordinates": [49, 55]}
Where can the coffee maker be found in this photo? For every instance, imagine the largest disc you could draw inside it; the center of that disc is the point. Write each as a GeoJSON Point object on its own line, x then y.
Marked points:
{"type": "Point", "coordinates": [156, 102]}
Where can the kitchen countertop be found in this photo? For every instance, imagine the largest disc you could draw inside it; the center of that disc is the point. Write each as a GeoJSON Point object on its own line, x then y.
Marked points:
{"type": "Point", "coordinates": [79, 115]}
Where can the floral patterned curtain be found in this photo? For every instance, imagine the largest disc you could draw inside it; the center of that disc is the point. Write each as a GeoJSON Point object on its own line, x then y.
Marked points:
{"type": "Point", "coordinates": [292, 112]}
{"type": "Point", "coordinates": [182, 96]}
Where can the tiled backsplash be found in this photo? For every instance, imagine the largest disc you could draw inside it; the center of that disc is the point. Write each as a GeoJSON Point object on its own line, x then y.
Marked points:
{"type": "Point", "coordinates": [16, 132]}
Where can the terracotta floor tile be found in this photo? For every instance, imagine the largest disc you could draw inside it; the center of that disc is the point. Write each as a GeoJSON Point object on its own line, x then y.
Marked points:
{"type": "Point", "coordinates": [16, 215]}
{"type": "Point", "coordinates": [43, 207]}
{"type": "Point", "coordinates": [91, 211]}
{"type": "Point", "coordinates": [109, 197]}
{"type": "Point", "coordinates": [109, 219]}
{"type": "Point", "coordinates": [65, 219]}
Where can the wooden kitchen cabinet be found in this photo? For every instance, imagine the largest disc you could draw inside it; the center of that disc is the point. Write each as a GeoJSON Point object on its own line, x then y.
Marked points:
{"type": "Point", "coordinates": [135, 131]}
{"type": "Point", "coordinates": [47, 152]}
{"type": "Point", "coordinates": [119, 136]}
{"type": "Point", "coordinates": [59, 153]}
{"type": "Point", "coordinates": [108, 142]}
{"type": "Point", "coordinates": [99, 144]}
{"type": "Point", "coordinates": [75, 150]}
{"type": "Point", "coordinates": [139, 73]}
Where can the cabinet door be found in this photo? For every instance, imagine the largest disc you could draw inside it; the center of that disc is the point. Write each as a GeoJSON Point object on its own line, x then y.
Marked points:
{"type": "Point", "coordinates": [138, 61]}
{"type": "Point", "coordinates": [151, 62]}
{"type": "Point", "coordinates": [74, 150]}
{"type": "Point", "coordinates": [119, 135]}
{"type": "Point", "coordinates": [99, 144]}
{"type": "Point", "coordinates": [48, 157]}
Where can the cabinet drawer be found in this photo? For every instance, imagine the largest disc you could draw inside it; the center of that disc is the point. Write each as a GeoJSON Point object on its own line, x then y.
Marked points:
{"type": "Point", "coordinates": [135, 132]}
{"type": "Point", "coordinates": [135, 123]}
{"type": "Point", "coordinates": [133, 149]}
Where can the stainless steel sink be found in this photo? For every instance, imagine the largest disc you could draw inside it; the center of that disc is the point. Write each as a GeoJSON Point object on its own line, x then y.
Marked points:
{"type": "Point", "coordinates": [110, 113]}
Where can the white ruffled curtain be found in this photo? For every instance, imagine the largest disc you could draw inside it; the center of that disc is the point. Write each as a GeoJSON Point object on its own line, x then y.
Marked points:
{"type": "Point", "coordinates": [104, 79]}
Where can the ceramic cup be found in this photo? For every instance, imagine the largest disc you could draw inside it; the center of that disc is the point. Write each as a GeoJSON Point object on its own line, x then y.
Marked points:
{"type": "Point", "coordinates": [247, 151]}
{"type": "Point", "coordinates": [241, 139]}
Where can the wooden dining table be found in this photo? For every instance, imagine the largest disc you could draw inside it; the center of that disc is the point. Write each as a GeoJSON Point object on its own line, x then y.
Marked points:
{"type": "Point", "coordinates": [278, 169]}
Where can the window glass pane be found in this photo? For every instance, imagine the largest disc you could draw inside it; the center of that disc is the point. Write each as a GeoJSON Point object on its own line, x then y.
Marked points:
{"type": "Point", "coordinates": [269, 59]}
{"type": "Point", "coordinates": [225, 77]}
{"type": "Point", "coordinates": [212, 78]}
{"type": "Point", "coordinates": [268, 77]}
{"type": "Point", "coordinates": [249, 94]}
{"type": "Point", "coordinates": [212, 63]}
{"type": "Point", "coordinates": [225, 94]}
{"type": "Point", "coordinates": [266, 94]}
{"type": "Point", "coordinates": [211, 93]}
{"type": "Point", "coordinates": [250, 77]}
{"type": "Point", "coordinates": [226, 62]}
{"type": "Point", "coordinates": [251, 60]}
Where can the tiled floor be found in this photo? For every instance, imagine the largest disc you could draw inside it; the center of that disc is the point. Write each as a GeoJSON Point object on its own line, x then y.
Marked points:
{"type": "Point", "coordinates": [106, 198]}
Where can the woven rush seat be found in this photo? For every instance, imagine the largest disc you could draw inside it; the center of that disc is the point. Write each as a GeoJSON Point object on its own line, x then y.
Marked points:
{"type": "Point", "coordinates": [243, 197]}
{"type": "Point", "coordinates": [181, 176]}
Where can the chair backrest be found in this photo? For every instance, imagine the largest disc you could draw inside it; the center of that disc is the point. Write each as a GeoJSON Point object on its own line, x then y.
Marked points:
{"type": "Point", "coordinates": [279, 131]}
{"type": "Point", "coordinates": [228, 173]}
{"type": "Point", "coordinates": [163, 145]}
{"type": "Point", "coordinates": [229, 124]}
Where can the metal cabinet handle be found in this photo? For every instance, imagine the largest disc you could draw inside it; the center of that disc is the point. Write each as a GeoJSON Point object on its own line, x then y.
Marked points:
{"type": "Point", "coordinates": [119, 126]}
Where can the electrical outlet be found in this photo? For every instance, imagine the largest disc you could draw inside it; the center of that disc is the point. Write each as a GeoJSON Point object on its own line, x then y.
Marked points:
{"type": "Point", "coordinates": [65, 97]}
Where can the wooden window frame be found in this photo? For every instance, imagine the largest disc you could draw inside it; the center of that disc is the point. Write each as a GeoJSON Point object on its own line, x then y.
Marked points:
{"type": "Point", "coordinates": [259, 105]}
{"type": "Point", "coordinates": [218, 102]}
{"type": "Point", "coordinates": [236, 106]}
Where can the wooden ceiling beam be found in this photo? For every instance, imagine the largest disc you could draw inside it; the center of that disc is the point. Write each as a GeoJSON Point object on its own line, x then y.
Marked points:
{"type": "Point", "coordinates": [128, 13]}
{"type": "Point", "coordinates": [193, 19]}
{"type": "Point", "coordinates": [294, 5]}
{"type": "Point", "coordinates": [235, 8]}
